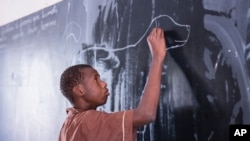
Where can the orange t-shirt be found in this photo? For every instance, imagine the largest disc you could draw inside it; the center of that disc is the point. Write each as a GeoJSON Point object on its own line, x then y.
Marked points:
{"type": "Point", "coordinates": [95, 125]}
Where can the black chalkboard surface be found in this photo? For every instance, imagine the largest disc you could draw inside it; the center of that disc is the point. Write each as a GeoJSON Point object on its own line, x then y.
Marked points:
{"type": "Point", "coordinates": [205, 85]}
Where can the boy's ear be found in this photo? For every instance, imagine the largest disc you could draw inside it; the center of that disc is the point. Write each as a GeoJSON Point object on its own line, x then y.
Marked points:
{"type": "Point", "coordinates": [78, 90]}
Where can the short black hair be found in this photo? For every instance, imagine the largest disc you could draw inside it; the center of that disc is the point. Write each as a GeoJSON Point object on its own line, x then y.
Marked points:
{"type": "Point", "coordinates": [70, 78]}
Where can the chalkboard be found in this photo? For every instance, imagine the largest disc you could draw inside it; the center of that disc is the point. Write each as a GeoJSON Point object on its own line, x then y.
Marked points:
{"type": "Point", "coordinates": [205, 85]}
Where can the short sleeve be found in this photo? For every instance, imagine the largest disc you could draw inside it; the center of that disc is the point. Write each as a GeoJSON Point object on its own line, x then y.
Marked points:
{"type": "Point", "coordinates": [117, 126]}
{"type": "Point", "coordinates": [127, 126]}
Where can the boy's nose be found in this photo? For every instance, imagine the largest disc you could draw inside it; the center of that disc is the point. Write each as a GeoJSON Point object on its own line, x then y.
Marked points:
{"type": "Point", "coordinates": [104, 84]}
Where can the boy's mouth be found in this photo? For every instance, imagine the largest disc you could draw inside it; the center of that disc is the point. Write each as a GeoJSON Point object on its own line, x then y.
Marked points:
{"type": "Point", "coordinates": [107, 92]}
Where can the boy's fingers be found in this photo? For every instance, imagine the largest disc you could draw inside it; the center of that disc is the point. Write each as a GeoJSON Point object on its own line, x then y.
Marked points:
{"type": "Point", "coordinates": [156, 33]}
{"type": "Point", "coordinates": [153, 31]}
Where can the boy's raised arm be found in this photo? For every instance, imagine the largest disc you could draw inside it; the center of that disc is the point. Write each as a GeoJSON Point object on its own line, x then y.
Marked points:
{"type": "Point", "coordinates": [146, 110]}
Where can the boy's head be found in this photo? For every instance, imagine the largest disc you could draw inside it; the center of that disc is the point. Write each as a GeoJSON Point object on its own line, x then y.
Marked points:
{"type": "Point", "coordinates": [81, 84]}
{"type": "Point", "coordinates": [70, 78]}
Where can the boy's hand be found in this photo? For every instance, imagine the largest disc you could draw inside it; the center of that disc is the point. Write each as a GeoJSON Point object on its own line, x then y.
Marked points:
{"type": "Point", "coordinates": [156, 42]}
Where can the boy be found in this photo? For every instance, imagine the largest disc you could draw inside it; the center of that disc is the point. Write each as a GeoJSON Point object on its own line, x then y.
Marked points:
{"type": "Point", "coordinates": [82, 86]}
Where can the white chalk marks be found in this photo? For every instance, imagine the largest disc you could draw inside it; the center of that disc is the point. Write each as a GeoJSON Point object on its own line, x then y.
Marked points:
{"type": "Point", "coordinates": [174, 39]}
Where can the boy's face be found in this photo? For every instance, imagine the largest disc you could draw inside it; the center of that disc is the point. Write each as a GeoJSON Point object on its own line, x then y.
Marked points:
{"type": "Point", "coordinates": [95, 89]}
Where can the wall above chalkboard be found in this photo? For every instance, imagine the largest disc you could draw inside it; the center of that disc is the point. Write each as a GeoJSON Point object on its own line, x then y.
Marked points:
{"type": "Point", "coordinates": [13, 10]}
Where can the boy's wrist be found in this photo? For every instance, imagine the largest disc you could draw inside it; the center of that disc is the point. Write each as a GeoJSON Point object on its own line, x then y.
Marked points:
{"type": "Point", "coordinates": [157, 60]}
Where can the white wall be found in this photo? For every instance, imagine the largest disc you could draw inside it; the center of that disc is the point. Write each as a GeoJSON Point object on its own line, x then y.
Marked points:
{"type": "Point", "coordinates": [11, 10]}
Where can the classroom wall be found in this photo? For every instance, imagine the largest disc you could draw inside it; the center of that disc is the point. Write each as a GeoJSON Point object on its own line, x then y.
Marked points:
{"type": "Point", "coordinates": [205, 85]}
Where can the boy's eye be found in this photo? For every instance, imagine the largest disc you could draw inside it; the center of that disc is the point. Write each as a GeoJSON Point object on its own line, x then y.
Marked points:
{"type": "Point", "coordinates": [96, 77]}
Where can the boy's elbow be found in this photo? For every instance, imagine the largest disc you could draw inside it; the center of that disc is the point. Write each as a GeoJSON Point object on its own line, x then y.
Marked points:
{"type": "Point", "coordinates": [143, 117]}
{"type": "Point", "coordinates": [149, 117]}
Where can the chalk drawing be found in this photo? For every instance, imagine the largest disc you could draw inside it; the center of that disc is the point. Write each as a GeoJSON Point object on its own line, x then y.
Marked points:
{"type": "Point", "coordinates": [154, 20]}
{"type": "Point", "coordinates": [111, 51]}
{"type": "Point", "coordinates": [73, 35]}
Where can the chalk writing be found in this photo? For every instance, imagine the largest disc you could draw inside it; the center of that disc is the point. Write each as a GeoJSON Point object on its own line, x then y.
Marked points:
{"type": "Point", "coordinates": [51, 12]}
{"type": "Point", "coordinates": [47, 24]}
{"type": "Point", "coordinates": [7, 29]}
{"type": "Point", "coordinates": [17, 36]}
{"type": "Point", "coordinates": [31, 25]}
{"type": "Point", "coordinates": [25, 23]}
